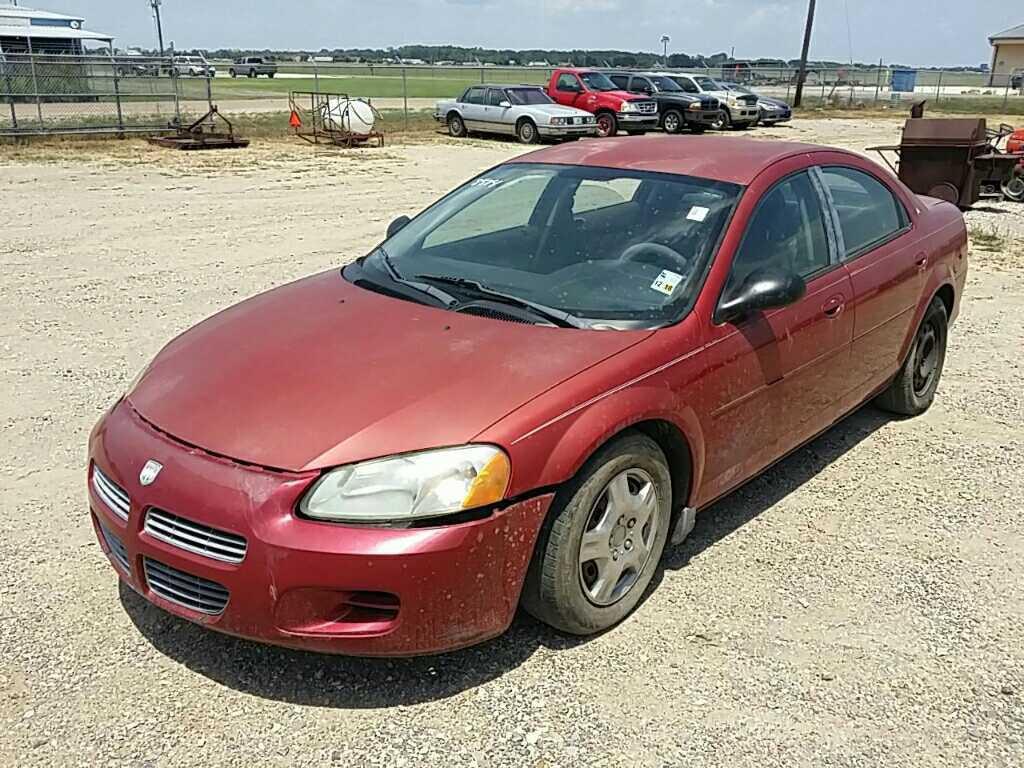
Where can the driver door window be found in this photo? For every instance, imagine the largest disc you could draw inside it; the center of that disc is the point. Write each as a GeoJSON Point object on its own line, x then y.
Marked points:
{"type": "Point", "coordinates": [568, 84]}
{"type": "Point", "coordinates": [787, 232]}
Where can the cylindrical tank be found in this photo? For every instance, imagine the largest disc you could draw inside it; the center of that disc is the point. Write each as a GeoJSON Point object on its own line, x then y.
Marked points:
{"type": "Point", "coordinates": [349, 115]}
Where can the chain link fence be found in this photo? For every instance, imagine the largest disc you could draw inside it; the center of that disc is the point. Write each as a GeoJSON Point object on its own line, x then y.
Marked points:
{"type": "Point", "coordinates": [61, 94]}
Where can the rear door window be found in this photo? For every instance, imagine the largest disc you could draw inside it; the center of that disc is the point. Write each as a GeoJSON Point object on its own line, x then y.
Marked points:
{"type": "Point", "coordinates": [869, 213]}
{"type": "Point", "coordinates": [475, 96]}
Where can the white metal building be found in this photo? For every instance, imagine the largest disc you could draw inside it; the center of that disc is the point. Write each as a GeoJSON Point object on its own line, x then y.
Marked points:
{"type": "Point", "coordinates": [1007, 54]}
{"type": "Point", "coordinates": [26, 30]}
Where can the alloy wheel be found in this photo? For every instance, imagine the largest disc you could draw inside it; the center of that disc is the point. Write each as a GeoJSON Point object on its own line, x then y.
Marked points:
{"type": "Point", "coordinates": [926, 358]}
{"type": "Point", "coordinates": [619, 537]}
{"type": "Point", "coordinates": [672, 123]}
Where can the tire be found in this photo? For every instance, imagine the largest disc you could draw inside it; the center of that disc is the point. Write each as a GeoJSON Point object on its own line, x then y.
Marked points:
{"type": "Point", "coordinates": [607, 125]}
{"type": "Point", "coordinates": [527, 132]}
{"type": "Point", "coordinates": [724, 121]}
{"type": "Point", "coordinates": [252, 74]}
{"type": "Point", "coordinates": [673, 121]}
{"type": "Point", "coordinates": [232, 73]}
{"type": "Point", "coordinates": [1014, 189]}
{"type": "Point", "coordinates": [456, 126]}
{"type": "Point", "coordinates": [582, 596]}
{"type": "Point", "coordinates": [271, 75]}
{"type": "Point", "coordinates": [912, 392]}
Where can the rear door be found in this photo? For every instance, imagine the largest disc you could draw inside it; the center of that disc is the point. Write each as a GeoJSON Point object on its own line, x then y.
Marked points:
{"type": "Point", "coordinates": [473, 114]}
{"type": "Point", "coordinates": [776, 377]}
{"type": "Point", "coordinates": [886, 265]}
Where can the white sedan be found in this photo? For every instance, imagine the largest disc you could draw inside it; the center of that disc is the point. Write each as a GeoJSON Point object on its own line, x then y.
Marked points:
{"type": "Point", "coordinates": [523, 111]}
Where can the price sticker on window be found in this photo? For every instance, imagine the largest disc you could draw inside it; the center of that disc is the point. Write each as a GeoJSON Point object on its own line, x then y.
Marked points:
{"type": "Point", "coordinates": [667, 282]}
{"type": "Point", "coordinates": [698, 213]}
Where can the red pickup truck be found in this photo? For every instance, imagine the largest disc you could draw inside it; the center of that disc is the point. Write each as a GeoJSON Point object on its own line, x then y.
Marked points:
{"type": "Point", "coordinates": [592, 91]}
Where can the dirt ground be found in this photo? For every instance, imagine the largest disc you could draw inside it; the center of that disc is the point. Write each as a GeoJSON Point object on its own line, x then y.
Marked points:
{"type": "Point", "coordinates": [858, 605]}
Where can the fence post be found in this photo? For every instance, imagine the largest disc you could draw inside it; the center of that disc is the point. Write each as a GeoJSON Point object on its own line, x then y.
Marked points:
{"type": "Point", "coordinates": [209, 91]}
{"type": "Point", "coordinates": [177, 94]}
{"type": "Point", "coordinates": [117, 95]}
{"type": "Point", "coordinates": [405, 98]}
{"type": "Point", "coordinates": [1006, 94]}
{"type": "Point", "coordinates": [878, 80]}
{"type": "Point", "coordinates": [316, 76]}
{"type": "Point", "coordinates": [9, 88]}
{"type": "Point", "coordinates": [35, 82]}
{"type": "Point", "coordinates": [482, 76]}
{"type": "Point", "coordinates": [938, 89]}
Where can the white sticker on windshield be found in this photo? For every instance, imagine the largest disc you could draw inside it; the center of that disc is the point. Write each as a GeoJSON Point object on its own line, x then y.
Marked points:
{"type": "Point", "coordinates": [698, 213]}
{"type": "Point", "coordinates": [667, 282]}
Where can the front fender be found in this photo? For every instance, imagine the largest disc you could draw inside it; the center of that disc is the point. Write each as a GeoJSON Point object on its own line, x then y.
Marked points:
{"type": "Point", "coordinates": [554, 452]}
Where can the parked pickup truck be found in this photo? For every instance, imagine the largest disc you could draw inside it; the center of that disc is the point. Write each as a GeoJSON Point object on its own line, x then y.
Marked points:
{"type": "Point", "coordinates": [253, 66]}
{"type": "Point", "coordinates": [523, 111]}
{"type": "Point", "coordinates": [738, 110]}
{"type": "Point", "coordinates": [676, 108]}
{"type": "Point", "coordinates": [615, 109]}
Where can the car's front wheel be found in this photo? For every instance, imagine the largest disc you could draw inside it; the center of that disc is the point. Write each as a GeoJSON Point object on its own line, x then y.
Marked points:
{"type": "Point", "coordinates": [673, 121]}
{"type": "Point", "coordinates": [912, 392]}
{"type": "Point", "coordinates": [603, 539]}
{"type": "Point", "coordinates": [607, 125]}
{"type": "Point", "coordinates": [232, 73]}
{"type": "Point", "coordinates": [724, 121]}
{"type": "Point", "coordinates": [526, 132]}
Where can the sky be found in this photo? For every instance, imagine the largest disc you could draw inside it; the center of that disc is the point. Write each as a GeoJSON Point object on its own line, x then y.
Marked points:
{"type": "Point", "coordinates": [915, 32]}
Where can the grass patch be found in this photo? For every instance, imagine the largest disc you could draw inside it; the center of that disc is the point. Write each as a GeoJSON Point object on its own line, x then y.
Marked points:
{"type": "Point", "coordinates": [988, 238]}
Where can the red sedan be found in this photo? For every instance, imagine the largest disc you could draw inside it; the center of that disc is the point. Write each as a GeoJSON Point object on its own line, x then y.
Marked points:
{"type": "Point", "coordinates": [522, 394]}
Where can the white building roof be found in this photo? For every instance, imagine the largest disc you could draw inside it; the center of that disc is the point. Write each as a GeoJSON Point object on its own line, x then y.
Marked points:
{"type": "Point", "coordinates": [1016, 33]}
{"type": "Point", "coordinates": [58, 33]}
{"type": "Point", "coordinates": [17, 21]}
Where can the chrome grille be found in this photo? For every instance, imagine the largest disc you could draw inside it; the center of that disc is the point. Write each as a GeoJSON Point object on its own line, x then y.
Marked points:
{"type": "Point", "coordinates": [116, 548]}
{"type": "Point", "coordinates": [111, 494]}
{"type": "Point", "coordinates": [647, 107]}
{"type": "Point", "coordinates": [195, 537]}
{"type": "Point", "coordinates": [184, 589]}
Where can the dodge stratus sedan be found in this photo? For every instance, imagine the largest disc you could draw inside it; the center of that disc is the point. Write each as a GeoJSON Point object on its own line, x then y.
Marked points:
{"type": "Point", "coordinates": [523, 394]}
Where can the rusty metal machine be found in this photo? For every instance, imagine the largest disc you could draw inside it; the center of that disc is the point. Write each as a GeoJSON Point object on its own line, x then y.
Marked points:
{"type": "Point", "coordinates": [954, 159]}
{"type": "Point", "coordinates": [203, 134]}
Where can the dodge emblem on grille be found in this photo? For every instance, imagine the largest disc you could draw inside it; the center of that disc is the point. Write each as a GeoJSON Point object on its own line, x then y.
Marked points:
{"type": "Point", "coordinates": [150, 472]}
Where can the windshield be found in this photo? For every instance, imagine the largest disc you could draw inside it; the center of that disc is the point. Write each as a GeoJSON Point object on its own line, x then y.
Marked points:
{"type": "Point", "coordinates": [595, 243]}
{"type": "Point", "coordinates": [738, 88]}
{"type": "Point", "coordinates": [665, 83]}
{"type": "Point", "coordinates": [527, 96]}
{"type": "Point", "coordinates": [595, 81]}
{"type": "Point", "coordinates": [707, 84]}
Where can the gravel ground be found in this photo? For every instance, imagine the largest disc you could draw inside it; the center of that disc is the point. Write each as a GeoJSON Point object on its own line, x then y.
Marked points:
{"type": "Point", "coordinates": [858, 605]}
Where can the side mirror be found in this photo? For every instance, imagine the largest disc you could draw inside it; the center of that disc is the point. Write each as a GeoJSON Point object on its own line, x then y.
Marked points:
{"type": "Point", "coordinates": [505, 104]}
{"type": "Point", "coordinates": [397, 225]}
{"type": "Point", "coordinates": [763, 289]}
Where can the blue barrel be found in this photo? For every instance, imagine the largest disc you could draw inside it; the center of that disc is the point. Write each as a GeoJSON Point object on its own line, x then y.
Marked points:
{"type": "Point", "coordinates": [904, 80]}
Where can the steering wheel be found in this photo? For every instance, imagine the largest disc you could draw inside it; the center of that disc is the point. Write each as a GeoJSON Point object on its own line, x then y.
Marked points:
{"type": "Point", "coordinates": [634, 252]}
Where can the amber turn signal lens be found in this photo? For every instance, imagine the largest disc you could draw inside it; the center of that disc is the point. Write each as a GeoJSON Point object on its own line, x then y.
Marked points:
{"type": "Point", "coordinates": [491, 484]}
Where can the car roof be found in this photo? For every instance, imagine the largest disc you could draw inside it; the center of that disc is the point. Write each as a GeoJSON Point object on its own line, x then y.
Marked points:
{"type": "Point", "coordinates": [507, 85]}
{"type": "Point", "coordinates": [721, 158]}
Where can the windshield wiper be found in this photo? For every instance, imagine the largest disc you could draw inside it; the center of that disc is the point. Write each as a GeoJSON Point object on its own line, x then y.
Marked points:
{"type": "Point", "coordinates": [435, 293]}
{"type": "Point", "coordinates": [557, 316]}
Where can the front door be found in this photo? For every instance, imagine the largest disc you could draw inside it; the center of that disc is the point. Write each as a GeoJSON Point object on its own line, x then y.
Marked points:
{"type": "Point", "coordinates": [568, 89]}
{"type": "Point", "coordinates": [776, 377]}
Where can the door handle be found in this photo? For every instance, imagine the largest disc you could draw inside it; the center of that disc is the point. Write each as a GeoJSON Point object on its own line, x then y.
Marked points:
{"type": "Point", "coordinates": [922, 262]}
{"type": "Point", "coordinates": [834, 307]}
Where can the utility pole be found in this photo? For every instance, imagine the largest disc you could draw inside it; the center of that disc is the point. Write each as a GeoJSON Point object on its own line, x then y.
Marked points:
{"type": "Point", "coordinates": [802, 75]}
{"type": "Point", "coordinates": [665, 40]}
{"type": "Point", "coordinates": [159, 25]}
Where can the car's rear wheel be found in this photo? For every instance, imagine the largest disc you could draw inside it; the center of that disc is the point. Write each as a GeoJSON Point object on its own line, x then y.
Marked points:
{"type": "Point", "coordinates": [603, 540]}
{"type": "Point", "coordinates": [912, 392]}
{"type": "Point", "coordinates": [232, 73]}
{"type": "Point", "coordinates": [607, 125]}
{"type": "Point", "coordinates": [526, 132]}
{"type": "Point", "coordinates": [456, 127]}
{"type": "Point", "coordinates": [270, 75]}
{"type": "Point", "coordinates": [672, 122]}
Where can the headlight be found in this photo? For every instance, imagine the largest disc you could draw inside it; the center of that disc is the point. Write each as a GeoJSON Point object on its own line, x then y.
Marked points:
{"type": "Point", "coordinates": [410, 487]}
{"type": "Point", "coordinates": [695, 107]}
{"type": "Point", "coordinates": [559, 121]}
{"type": "Point", "coordinates": [628, 106]}
{"type": "Point", "coordinates": [768, 106]}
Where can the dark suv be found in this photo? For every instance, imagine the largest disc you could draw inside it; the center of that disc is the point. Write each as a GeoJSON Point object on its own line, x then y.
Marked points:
{"type": "Point", "coordinates": [676, 107]}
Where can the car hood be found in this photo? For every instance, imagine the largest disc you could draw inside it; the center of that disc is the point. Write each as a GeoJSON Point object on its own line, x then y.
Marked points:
{"type": "Point", "coordinates": [776, 102]}
{"type": "Point", "coordinates": [321, 373]}
{"type": "Point", "coordinates": [555, 110]}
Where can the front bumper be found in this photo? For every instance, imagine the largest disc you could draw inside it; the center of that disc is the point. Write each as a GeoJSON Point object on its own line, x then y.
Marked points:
{"type": "Point", "coordinates": [567, 131]}
{"type": "Point", "coordinates": [745, 114]}
{"type": "Point", "coordinates": [779, 116]}
{"type": "Point", "coordinates": [635, 121]}
{"type": "Point", "coordinates": [704, 118]}
{"type": "Point", "coordinates": [303, 584]}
